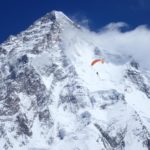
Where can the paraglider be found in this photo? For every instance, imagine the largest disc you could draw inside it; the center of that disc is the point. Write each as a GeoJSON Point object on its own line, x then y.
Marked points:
{"type": "Point", "coordinates": [97, 61]}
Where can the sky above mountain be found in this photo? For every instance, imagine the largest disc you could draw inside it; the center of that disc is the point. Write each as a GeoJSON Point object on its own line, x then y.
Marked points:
{"type": "Point", "coordinates": [17, 15]}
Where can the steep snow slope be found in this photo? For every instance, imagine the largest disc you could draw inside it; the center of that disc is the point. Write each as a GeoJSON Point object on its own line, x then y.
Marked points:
{"type": "Point", "coordinates": [52, 98]}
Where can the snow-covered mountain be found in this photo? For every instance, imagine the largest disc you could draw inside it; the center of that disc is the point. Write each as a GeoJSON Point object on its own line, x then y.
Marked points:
{"type": "Point", "coordinates": [51, 98]}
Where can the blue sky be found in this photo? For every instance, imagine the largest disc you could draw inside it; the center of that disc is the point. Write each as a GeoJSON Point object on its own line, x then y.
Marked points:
{"type": "Point", "coordinates": [17, 15]}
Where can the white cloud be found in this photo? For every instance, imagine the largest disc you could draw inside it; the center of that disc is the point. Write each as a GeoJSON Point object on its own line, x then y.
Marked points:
{"type": "Point", "coordinates": [135, 43]}
{"type": "Point", "coordinates": [81, 20]}
{"type": "Point", "coordinates": [114, 26]}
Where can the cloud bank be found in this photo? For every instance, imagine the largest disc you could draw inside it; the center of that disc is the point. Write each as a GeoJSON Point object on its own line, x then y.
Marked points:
{"type": "Point", "coordinates": [135, 42]}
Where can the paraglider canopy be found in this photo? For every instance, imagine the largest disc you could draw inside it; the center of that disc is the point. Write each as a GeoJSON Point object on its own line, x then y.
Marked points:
{"type": "Point", "coordinates": [97, 61]}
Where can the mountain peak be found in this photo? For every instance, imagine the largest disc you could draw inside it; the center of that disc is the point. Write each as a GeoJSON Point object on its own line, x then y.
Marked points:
{"type": "Point", "coordinates": [57, 13]}
{"type": "Point", "coordinates": [57, 16]}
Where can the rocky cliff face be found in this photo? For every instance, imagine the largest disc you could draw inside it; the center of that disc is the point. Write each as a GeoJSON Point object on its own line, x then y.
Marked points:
{"type": "Point", "coordinates": [51, 97]}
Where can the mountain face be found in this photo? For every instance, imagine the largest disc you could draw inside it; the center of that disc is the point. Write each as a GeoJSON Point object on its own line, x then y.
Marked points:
{"type": "Point", "coordinates": [51, 98]}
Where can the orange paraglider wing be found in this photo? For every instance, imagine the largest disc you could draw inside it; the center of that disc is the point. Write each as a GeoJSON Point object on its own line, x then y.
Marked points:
{"type": "Point", "coordinates": [96, 61]}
